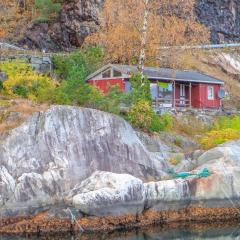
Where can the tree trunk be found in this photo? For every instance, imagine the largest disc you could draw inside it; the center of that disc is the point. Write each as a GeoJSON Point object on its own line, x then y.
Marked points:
{"type": "Point", "coordinates": [143, 40]}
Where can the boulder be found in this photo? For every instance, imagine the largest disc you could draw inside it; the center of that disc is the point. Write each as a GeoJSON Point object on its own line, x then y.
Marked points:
{"type": "Point", "coordinates": [222, 18]}
{"type": "Point", "coordinates": [107, 193]}
{"type": "Point", "coordinates": [56, 150]}
{"type": "Point", "coordinates": [227, 153]}
{"type": "Point", "coordinates": [220, 190]}
{"type": "Point", "coordinates": [94, 163]}
{"type": "Point", "coordinates": [77, 20]}
{"type": "Point", "coordinates": [3, 76]}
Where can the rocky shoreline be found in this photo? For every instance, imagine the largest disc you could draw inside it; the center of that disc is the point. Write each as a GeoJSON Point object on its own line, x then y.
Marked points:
{"type": "Point", "coordinates": [43, 224]}
{"type": "Point", "coordinates": [70, 163]}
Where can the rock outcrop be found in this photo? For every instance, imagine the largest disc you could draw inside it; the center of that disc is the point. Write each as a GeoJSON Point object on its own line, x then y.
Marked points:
{"type": "Point", "coordinates": [79, 18]}
{"type": "Point", "coordinates": [113, 194]}
{"type": "Point", "coordinates": [93, 165]}
{"type": "Point", "coordinates": [55, 150]}
{"type": "Point", "coordinates": [222, 17]}
{"type": "Point", "coordinates": [76, 21]}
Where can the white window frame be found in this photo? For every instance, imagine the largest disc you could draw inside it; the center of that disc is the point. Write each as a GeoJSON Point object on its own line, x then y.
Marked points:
{"type": "Point", "coordinates": [210, 92]}
{"type": "Point", "coordinates": [113, 71]}
{"type": "Point", "coordinates": [107, 70]}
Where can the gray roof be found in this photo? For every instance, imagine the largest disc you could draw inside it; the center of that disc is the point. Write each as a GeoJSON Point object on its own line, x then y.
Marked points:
{"type": "Point", "coordinates": [164, 74]}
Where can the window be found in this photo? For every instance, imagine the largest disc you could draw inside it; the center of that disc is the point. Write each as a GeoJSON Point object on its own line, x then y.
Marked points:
{"type": "Point", "coordinates": [127, 86]}
{"type": "Point", "coordinates": [117, 73]}
{"type": "Point", "coordinates": [210, 93]}
{"type": "Point", "coordinates": [106, 74]}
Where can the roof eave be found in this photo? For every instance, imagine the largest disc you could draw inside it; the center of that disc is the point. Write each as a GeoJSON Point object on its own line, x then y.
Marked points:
{"type": "Point", "coordinates": [185, 80]}
{"type": "Point", "coordinates": [98, 71]}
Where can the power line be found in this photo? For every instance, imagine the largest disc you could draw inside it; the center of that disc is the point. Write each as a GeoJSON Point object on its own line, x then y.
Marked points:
{"type": "Point", "coordinates": [11, 46]}
{"type": "Point", "coordinates": [206, 46]}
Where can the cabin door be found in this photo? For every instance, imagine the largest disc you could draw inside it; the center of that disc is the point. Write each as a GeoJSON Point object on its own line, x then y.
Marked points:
{"type": "Point", "coordinates": [154, 90]}
{"type": "Point", "coordinates": [182, 94]}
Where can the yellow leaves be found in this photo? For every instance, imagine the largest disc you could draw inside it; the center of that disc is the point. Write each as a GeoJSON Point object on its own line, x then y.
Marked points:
{"type": "Point", "coordinates": [217, 137]}
{"type": "Point", "coordinates": [2, 33]}
{"type": "Point", "coordinates": [141, 115]}
{"type": "Point", "coordinates": [14, 16]}
{"type": "Point", "coordinates": [225, 129]}
{"type": "Point", "coordinates": [121, 23]}
{"type": "Point", "coordinates": [23, 81]}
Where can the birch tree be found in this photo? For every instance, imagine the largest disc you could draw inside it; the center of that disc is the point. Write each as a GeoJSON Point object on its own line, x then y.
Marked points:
{"type": "Point", "coordinates": [143, 40]}
{"type": "Point", "coordinates": [128, 29]}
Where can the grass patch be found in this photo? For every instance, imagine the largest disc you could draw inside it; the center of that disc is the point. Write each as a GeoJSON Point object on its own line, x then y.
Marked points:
{"type": "Point", "coordinates": [216, 137]}
{"type": "Point", "coordinates": [4, 103]}
{"type": "Point", "coordinates": [225, 129]}
{"type": "Point", "coordinates": [189, 126]}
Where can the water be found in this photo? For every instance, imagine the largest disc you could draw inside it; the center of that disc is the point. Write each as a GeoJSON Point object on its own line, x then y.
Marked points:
{"type": "Point", "coordinates": [226, 231]}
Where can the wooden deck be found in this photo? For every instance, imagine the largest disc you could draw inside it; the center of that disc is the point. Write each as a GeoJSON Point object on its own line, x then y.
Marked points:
{"type": "Point", "coordinates": [160, 103]}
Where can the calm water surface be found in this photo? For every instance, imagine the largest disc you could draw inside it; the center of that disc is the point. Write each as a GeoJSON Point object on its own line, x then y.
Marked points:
{"type": "Point", "coordinates": [225, 231]}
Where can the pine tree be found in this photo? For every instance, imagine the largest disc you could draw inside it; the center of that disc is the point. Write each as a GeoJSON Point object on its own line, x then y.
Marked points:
{"type": "Point", "coordinates": [47, 9]}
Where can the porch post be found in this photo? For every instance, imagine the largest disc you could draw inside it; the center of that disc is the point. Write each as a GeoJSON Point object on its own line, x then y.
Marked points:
{"type": "Point", "coordinates": [190, 94]}
{"type": "Point", "coordinates": [174, 94]}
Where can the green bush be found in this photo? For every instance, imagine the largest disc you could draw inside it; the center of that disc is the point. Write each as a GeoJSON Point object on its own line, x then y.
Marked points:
{"type": "Point", "coordinates": [75, 90]}
{"type": "Point", "coordinates": [139, 91]}
{"type": "Point", "coordinates": [162, 123]}
{"type": "Point", "coordinates": [110, 102]}
{"type": "Point", "coordinates": [142, 116]}
{"type": "Point", "coordinates": [216, 137]}
{"type": "Point", "coordinates": [232, 122]}
{"type": "Point", "coordinates": [24, 81]}
{"type": "Point", "coordinates": [73, 70]}
{"type": "Point", "coordinates": [88, 60]}
{"type": "Point", "coordinates": [224, 129]}
{"type": "Point", "coordinates": [47, 9]}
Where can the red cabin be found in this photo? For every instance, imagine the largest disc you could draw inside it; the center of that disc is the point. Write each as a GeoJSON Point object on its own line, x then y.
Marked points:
{"type": "Point", "coordinates": [169, 87]}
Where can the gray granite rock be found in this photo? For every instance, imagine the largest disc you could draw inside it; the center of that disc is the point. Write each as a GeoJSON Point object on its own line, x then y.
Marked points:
{"type": "Point", "coordinates": [79, 18]}
{"type": "Point", "coordinates": [110, 194]}
{"type": "Point", "coordinates": [94, 163]}
{"type": "Point", "coordinates": [55, 150]}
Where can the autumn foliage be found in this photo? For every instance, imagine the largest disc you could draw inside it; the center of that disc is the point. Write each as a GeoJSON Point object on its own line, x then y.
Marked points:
{"type": "Point", "coordinates": [14, 15]}
{"type": "Point", "coordinates": [170, 23]}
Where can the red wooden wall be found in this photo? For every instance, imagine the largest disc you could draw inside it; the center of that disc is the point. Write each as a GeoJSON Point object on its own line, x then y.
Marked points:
{"type": "Point", "coordinates": [199, 92]}
{"type": "Point", "coordinates": [200, 96]}
{"type": "Point", "coordinates": [103, 85]}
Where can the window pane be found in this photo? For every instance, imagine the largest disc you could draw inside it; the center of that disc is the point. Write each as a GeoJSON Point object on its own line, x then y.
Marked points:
{"type": "Point", "coordinates": [127, 86]}
{"type": "Point", "coordinates": [210, 93]}
{"type": "Point", "coordinates": [107, 74]}
{"type": "Point", "coordinates": [117, 73]}
{"type": "Point", "coordinates": [165, 90]}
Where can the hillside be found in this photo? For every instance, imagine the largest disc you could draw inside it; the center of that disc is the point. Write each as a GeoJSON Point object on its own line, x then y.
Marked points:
{"type": "Point", "coordinates": [91, 140]}
{"type": "Point", "coordinates": [78, 19]}
{"type": "Point", "coordinates": [69, 160]}
{"type": "Point", "coordinates": [223, 64]}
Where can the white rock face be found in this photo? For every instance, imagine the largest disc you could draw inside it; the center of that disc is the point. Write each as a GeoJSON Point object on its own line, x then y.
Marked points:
{"type": "Point", "coordinates": [107, 193]}
{"type": "Point", "coordinates": [95, 163]}
{"type": "Point", "coordinates": [228, 62]}
{"type": "Point", "coordinates": [56, 150]}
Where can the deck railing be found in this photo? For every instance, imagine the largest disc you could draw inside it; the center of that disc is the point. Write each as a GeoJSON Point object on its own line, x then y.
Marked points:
{"type": "Point", "coordinates": [170, 103]}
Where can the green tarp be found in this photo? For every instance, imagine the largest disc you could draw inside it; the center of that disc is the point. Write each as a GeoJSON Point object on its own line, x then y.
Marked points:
{"type": "Point", "coordinates": [163, 85]}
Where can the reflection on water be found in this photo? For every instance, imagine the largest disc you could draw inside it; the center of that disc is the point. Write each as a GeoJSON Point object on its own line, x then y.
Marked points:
{"type": "Point", "coordinates": [215, 231]}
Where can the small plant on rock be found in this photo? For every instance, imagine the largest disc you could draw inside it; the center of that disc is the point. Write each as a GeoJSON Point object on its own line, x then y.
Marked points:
{"type": "Point", "coordinates": [142, 116]}
{"type": "Point", "coordinates": [216, 137]}
{"type": "Point", "coordinates": [47, 9]}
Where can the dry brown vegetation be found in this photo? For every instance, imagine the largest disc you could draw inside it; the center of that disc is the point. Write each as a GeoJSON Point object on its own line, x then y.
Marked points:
{"type": "Point", "coordinates": [44, 223]}
{"type": "Point", "coordinates": [205, 61]}
{"type": "Point", "coordinates": [121, 25]}
{"type": "Point", "coordinates": [14, 17]}
{"type": "Point", "coordinates": [14, 112]}
{"type": "Point", "coordinates": [190, 127]}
